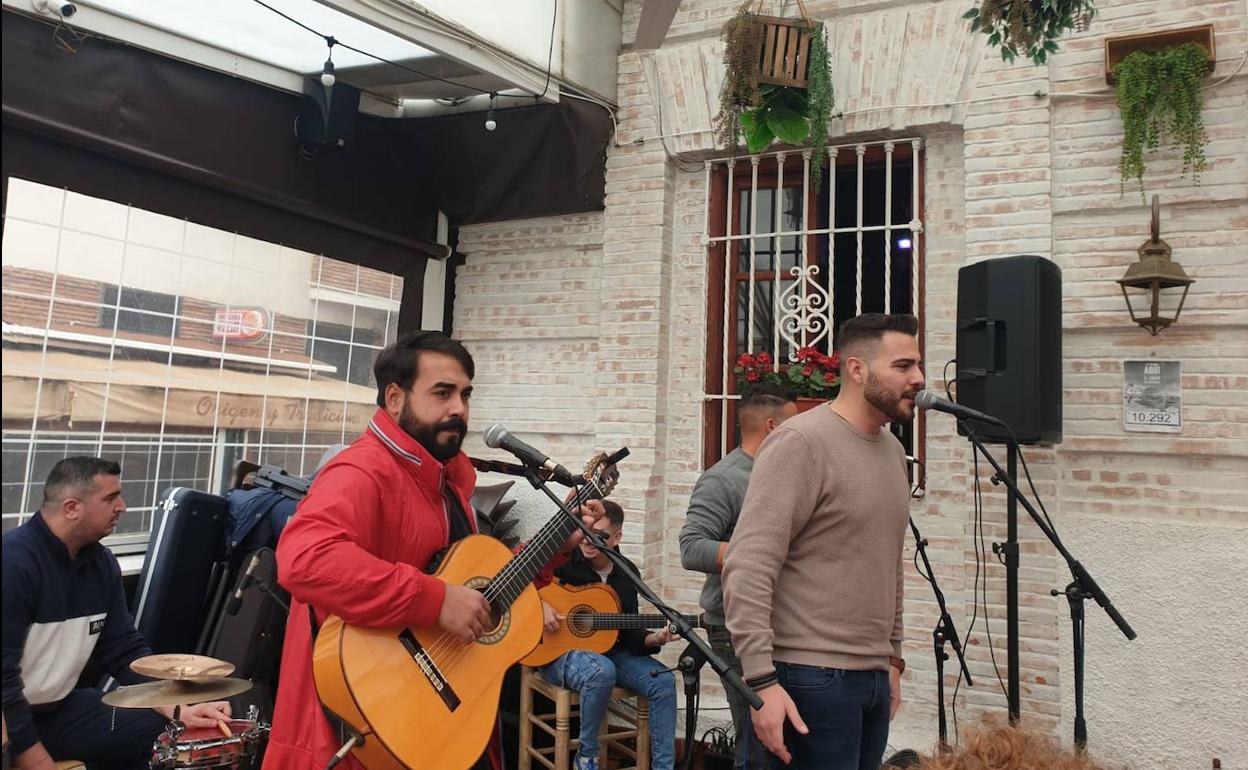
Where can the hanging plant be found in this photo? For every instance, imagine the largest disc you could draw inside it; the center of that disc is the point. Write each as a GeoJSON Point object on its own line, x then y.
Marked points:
{"type": "Point", "coordinates": [743, 47]}
{"type": "Point", "coordinates": [1159, 92]}
{"type": "Point", "coordinates": [1029, 27]}
{"type": "Point", "coordinates": [773, 90]}
{"type": "Point", "coordinates": [819, 96]}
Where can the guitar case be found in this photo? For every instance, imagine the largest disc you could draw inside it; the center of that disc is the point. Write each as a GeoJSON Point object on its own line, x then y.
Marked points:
{"type": "Point", "coordinates": [184, 578]}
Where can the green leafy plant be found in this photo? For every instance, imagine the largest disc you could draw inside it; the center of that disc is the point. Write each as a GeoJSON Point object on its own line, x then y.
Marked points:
{"type": "Point", "coordinates": [1159, 93]}
{"type": "Point", "coordinates": [819, 96]}
{"type": "Point", "coordinates": [1028, 27]}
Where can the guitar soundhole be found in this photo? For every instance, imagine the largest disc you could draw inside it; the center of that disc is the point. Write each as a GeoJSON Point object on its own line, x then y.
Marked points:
{"type": "Point", "coordinates": [500, 619]}
{"type": "Point", "coordinates": [580, 622]}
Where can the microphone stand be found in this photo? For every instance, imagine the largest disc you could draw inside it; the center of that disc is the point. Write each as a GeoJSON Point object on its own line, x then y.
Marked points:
{"type": "Point", "coordinates": [675, 619]}
{"type": "Point", "coordinates": [1081, 587]}
{"type": "Point", "coordinates": [689, 664]}
{"type": "Point", "coordinates": [945, 632]}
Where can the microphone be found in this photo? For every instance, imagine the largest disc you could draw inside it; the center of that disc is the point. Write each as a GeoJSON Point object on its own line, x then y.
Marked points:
{"type": "Point", "coordinates": [926, 399]}
{"type": "Point", "coordinates": [236, 601]}
{"type": "Point", "coordinates": [497, 437]}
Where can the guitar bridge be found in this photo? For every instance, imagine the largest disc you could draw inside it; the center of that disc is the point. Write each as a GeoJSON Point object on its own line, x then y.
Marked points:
{"type": "Point", "coordinates": [430, 669]}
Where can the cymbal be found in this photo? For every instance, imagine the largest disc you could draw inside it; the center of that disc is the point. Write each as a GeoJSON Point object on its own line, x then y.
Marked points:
{"type": "Point", "coordinates": [174, 692]}
{"type": "Point", "coordinates": [191, 668]}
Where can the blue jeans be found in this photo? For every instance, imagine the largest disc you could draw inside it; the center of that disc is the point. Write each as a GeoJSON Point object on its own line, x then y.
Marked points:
{"type": "Point", "coordinates": [593, 676]}
{"type": "Point", "coordinates": [846, 712]}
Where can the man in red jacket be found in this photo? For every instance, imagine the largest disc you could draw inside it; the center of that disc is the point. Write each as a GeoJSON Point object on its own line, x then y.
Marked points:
{"type": "Point", "coordinates": [375, 517]}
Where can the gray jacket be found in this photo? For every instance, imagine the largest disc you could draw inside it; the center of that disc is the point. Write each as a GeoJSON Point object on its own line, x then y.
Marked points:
{"type": "Point", "coordinates": [713, 510]}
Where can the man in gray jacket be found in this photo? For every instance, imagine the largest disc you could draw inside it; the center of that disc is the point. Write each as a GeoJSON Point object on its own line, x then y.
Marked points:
{"type": "Point", "coordinates": [713, 510]}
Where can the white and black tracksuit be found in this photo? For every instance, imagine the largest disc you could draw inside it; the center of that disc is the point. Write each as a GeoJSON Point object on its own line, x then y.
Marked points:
{"type": "Point", "coordinates": [59, 614]}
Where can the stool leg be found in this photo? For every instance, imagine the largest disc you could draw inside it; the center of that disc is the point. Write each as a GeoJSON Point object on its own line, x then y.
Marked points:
{"type": "Point", "coordinates": [563, 724]}
{"type": "Point", "coordinates": [526, 714]}
{"type": "Point", "coordinates": [643, 734]}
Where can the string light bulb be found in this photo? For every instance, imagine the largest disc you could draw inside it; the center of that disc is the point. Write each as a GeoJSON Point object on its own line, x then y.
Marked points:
{"type": "Point", "coordinates": [490, 122]}
{"type": "Point", "coordinates": [327, 72]}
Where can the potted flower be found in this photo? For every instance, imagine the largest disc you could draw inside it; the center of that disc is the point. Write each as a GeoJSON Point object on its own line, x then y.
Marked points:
{"type": "Point", "coordinates": [813, 378]}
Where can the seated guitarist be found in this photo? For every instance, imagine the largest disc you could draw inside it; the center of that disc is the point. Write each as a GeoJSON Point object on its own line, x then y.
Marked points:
{"type": "Point", "coordinates": [376, 516]}
{"type": "Point", "coordinates": [627, 664]}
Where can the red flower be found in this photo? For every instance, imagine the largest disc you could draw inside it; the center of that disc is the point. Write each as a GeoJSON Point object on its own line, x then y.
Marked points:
{"type": "Point", "coordinates": [808, 370]}
{"type": "Point", "coordinates": [751, 376]}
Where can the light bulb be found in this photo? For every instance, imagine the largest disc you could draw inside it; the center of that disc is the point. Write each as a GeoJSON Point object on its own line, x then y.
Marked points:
{"type": "Point", "coordinates": [490, 123]}
{"type": "Point", "coordinates": [327, 74]}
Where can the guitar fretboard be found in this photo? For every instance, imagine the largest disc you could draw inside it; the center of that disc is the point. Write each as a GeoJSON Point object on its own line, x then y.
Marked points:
{"type": "Point", "coordinates": [619, 621]}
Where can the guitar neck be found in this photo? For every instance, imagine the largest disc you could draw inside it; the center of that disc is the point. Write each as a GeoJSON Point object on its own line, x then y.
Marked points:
{"type": "Point", "coordinates": [511, 581]}
{"type": "Point", "coordinates": [621, 621]}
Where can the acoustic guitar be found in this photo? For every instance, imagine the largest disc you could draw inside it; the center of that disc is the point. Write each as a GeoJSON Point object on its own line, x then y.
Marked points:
{"type": "Point", "coordinates": [420, 697]}
{"type": "Point", "coordinates": [592, 621]}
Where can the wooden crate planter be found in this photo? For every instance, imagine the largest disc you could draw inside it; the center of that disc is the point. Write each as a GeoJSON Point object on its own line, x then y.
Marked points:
{"type": "Point", "coordinates": [1118, 48]}
{"type": "Point", "coordinates": [785, 49]}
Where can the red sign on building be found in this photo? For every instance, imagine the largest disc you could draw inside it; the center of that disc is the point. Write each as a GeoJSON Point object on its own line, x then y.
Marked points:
{"type": "Point", "coordinates": [239, 324]}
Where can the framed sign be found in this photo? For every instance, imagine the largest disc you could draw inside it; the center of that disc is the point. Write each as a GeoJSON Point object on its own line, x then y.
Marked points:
{"type": "Point", "coordinates": [1152, 397]}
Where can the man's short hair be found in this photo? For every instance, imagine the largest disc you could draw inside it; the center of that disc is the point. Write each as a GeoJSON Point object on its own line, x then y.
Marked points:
{"type": "Point", "coordinates": [400, 362]}
{"type": "Point", "coordinates": [766, 394]}
{"type": "Point", "coordinates": [764, 398]}
{"type": "Point", "coordinates": [860, 335]}
{"type": "Point", "coordinates": [615, 513]}
{"type": "Point", "coordinates": [74, 475]}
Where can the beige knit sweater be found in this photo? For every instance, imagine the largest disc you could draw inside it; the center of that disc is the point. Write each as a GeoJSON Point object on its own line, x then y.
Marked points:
{"type": "Point", "coordinates": [813, 571]}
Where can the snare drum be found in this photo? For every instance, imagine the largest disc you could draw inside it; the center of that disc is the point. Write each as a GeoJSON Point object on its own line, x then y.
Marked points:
{"type": "Point", "coordinates": [200, 747]}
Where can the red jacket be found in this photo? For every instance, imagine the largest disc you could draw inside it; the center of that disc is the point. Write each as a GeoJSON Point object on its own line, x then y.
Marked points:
{"type": "Point", "coordinates": [357, 549]}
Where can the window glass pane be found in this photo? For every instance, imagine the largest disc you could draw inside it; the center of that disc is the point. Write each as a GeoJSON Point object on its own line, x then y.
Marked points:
{"type": "Point", "coordinates": [175, 349]}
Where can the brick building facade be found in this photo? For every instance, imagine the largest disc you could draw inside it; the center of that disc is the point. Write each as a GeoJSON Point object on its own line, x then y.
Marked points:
{"type": "Point", "coordinates": [591, 331]}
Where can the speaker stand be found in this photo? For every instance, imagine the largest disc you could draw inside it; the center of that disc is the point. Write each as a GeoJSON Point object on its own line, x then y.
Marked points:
{"type": "Point", "coordinates": [1014, 695]}
{"type": "Point", "coordinates": [1082, 581]}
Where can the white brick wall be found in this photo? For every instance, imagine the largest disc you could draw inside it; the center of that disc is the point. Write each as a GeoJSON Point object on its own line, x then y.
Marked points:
{"type": "Point", "coordinates": [594, 336]}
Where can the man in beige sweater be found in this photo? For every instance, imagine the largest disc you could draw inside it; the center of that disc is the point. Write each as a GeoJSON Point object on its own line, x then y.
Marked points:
{"type": "Point", "coordinates": [813, 575]}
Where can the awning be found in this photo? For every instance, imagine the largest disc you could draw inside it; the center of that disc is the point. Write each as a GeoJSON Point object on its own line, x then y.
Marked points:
{"type": "Point", "coordinates": [88, 389]}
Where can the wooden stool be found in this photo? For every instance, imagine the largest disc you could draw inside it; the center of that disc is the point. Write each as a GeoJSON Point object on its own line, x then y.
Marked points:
{"type": "Point", "coordinates": [69, 764]}
{"type": "Point", "coordinates": [636, 730]}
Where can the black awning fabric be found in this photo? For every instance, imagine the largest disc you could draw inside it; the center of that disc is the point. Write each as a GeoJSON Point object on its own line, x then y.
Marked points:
{"type": "Point", "coordinates": [122, 123]}
{"type": "Point", "coordinates": [539, 161]}
{"type": "Point", "coordinates": [127, 125]}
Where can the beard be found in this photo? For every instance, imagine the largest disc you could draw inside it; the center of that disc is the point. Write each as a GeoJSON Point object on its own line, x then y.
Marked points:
{"type": "Point", "coordinates": [427, 435]}
{"type": "Point", "coordinates": [885, 400]}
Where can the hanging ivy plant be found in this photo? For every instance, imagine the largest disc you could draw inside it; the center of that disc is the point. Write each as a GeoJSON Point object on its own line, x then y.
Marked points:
{"type": "Point", "coordinates": [1159, 93]}
{"type": "Point", "coordinates": [819, 96]}
{"type": "Point", "coordinates": [1028, 27]}
{"type": "Point", "coordinates": [762, 113]}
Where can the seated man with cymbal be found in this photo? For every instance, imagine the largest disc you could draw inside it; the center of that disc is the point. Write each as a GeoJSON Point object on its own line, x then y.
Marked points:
{"type": "Point", "coordinates": [627, 664]}
{"type": "Point", "coordinates": [64, 607]}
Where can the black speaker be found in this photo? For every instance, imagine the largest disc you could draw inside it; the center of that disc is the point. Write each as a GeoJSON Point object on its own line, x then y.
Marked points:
{"type": "Point", "coordinates": [1009, 346]}
{"type": "Point", "coordinates": [327, 115]}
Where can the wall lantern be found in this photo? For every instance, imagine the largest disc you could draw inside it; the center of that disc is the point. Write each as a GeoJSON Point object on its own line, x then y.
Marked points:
{"type": "Point", "coordinates": [1151, 286]}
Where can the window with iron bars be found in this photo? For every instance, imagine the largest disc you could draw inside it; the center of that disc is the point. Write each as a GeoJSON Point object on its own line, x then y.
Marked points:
{"type": "Point", "coordinates": [787, 264]}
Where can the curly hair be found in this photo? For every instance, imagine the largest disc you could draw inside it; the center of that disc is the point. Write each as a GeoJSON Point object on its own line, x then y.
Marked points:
{"type": "Point", "coordinates": [991, 745]}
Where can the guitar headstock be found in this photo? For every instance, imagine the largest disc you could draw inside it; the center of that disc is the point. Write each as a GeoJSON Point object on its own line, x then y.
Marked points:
{"type": "Point", "coordinates": [601, 474]}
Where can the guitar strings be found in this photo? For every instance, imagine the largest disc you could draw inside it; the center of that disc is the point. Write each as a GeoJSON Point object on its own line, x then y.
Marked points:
{"type": "Point", "coordinates": [447, 643]}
